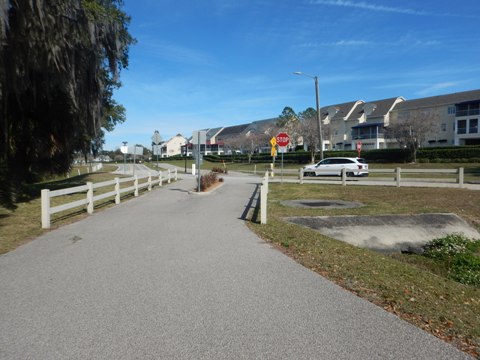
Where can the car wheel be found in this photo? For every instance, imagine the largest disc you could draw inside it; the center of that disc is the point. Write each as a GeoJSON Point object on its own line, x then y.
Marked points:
{"type": "Point", "coordinates": [350, 174]}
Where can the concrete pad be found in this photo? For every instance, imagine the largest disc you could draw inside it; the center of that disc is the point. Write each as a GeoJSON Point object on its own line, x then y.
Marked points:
{"type": "Point", "coordinates": [388, 233]}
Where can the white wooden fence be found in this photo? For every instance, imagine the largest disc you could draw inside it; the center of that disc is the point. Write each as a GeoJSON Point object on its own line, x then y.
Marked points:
{"type": "Point", "coordinates": [454, 176]}
{"type": "Point", "coordinates": [90, 197]}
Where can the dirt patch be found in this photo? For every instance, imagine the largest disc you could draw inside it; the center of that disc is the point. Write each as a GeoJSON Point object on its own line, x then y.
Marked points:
{"type": "Point", "coordinates": [324, 204]}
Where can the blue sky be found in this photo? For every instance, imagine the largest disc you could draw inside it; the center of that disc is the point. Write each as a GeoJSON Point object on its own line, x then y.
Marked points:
{"type": "Point", "coordinates": [212, 63]}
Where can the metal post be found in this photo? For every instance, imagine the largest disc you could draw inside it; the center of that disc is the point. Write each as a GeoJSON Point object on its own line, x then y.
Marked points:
{"type": "Point", "coordinates": [319, 120]}
{"type": "Point", "coordinates": [198, 160]}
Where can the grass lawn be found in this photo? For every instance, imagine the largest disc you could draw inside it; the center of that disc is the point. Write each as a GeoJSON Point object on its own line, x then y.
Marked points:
{"type": "Point", "coordinates": [24, 223]}
{"type": "Point", "coordinates": [409, 286]}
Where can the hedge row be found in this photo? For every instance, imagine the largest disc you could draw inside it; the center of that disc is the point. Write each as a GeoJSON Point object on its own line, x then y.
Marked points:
{"type": "Point", "coordinates": [439, 154]}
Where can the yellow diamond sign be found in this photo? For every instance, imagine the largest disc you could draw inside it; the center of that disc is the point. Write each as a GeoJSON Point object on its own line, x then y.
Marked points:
{"type": "Point", "coordinates": [273, 141]}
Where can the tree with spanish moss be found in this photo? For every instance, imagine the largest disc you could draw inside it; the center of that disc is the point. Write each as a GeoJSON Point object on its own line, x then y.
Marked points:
{"type": "Point", "coordinates": [59, 65]}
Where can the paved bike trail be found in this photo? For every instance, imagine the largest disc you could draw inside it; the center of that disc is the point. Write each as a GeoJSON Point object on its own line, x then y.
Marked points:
{"type": "Point", "coordinates": [172, 275]}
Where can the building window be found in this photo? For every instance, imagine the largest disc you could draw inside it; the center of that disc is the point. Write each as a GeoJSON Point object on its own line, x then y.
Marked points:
{"type": "Point", "coordinates": [473, 126]}
{"type": "Point", "coordinates": [443, 127]}
{"type": "Point", "coordinates": [451, 110]}
{"type": "Point", "coordinates": [461, 126]}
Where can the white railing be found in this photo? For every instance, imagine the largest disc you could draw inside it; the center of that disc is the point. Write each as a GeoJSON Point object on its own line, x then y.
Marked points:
{"type": "Point", "coordinates": [456, 176]}
{"type": "Point", "coordinates": [90, 197]}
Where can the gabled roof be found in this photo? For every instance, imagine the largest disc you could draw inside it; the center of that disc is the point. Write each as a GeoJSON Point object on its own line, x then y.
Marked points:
{"type": "Point", "coordinates": [448, 99]}
{"type": "Point", "coordinates": [382, 108]}
{"type": "Point", "coordinates": [260, 126]}
{"type": "Point", "coordinates": [232, 130]}
{"type": "Point", "coordinates": [212, 132]}
{"type": "Point", "coordinates": [343, 112]}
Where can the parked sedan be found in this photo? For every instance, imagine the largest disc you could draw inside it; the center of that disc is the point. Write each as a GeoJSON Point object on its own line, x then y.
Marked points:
{"type": "Point", "coordinates": [335, 165]}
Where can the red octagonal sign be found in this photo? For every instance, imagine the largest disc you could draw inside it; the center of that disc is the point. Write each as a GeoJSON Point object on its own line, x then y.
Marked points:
{"type": "Point", "coordinates": [283, 139]}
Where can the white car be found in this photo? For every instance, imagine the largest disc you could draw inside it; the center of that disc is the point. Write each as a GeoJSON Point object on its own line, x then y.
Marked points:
{"type": "Point", "coordinates": [335, 165]}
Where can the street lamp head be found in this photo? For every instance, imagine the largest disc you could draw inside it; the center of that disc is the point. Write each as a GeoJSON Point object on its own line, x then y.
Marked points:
{"type": "Point", "coordinates": [298, 73]}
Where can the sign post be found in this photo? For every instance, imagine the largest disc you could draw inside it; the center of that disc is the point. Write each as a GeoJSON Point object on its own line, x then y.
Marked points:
{"type": "Point", "coordinates": [199, 138]}
{"type": "Point", "coordinates": [156, 138]}
{"type": "Point", "coordinates": [282, 141]}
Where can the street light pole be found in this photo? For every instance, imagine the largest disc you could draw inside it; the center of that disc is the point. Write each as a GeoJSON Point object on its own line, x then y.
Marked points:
{"type": "Point", "coordinates": [319, 121]}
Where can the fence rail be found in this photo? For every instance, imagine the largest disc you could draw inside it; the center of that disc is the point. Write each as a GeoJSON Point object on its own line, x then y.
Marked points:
{"type": "Point", "coordinates": [90, 197]}
{"type": "Point", "coordinates": [456, 176]}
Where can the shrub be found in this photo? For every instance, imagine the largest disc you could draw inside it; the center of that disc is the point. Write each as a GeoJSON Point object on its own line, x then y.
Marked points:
{"type": "Point", "coordinates": [220, 170]}
{"type": "Point", "coordinates": [460, 256]}
{"type": "Point", "coordinates": [207, 180]}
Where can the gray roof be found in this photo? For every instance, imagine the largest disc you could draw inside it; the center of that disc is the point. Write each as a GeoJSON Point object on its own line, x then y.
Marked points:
{"type": "Point", "coordinates": [232, 131]}
{"type": "Point", "coordinates": [448, 99]}
{"type": "Point", "coordinates": [383, 107]}
{"type": "Point", "coordinates": [212, 132]}
{"type": "Point", "coordinates": [343, 110]}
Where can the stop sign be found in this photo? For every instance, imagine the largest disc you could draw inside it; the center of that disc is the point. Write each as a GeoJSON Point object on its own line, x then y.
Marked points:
{"type": "Point", "coordinates": [283, 139]}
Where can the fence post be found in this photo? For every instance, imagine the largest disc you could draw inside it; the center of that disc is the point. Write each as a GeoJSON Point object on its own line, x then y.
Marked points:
{"type": "Point", "coordinates": [78, 172]}
{"type": "Point", "coordinates": [271, 168]}
{"type": "Point", "coordinates": [344, 177]}
{"type": "Point", "coordinates": [263, 202]}
{"type": "Point", "coordinates": [255, 169]}
{"type": "Point", "coordinates": [90, 198]}
{"type": "Point", "coordinates": [168, 180]}
{"type": "Point", "coordinates": [193, 170]}
{"type": "Point", "coordinates": [160, 180]}
{"type": "Point", "coordinates": [460, 177]}
{"type": "Point", "coordinates": [176, 174]}
{"type": "Point", "coordinates": [398, 175]}
{"type": "Point", "coordinates": [300, 175]}
{"type": "Point", "coordinates": [45, 209]}
{"type": "Point", "coordinates": [135, 183]}
{"type": "Point", "coordinates": [117, 190]}
{"type": "Point", "coordinates": [149, 182]}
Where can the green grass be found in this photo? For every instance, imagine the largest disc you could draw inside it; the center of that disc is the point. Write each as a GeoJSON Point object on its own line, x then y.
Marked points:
{"type": "Point", "coordinates": [413, 287]}
{"type": "Point", "coordinates": [24, 223]}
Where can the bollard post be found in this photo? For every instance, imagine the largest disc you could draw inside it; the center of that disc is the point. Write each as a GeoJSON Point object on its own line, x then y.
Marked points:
{"type": "Point", "coordinates": [45, 209]}
{"type": "Point", "coordinates": [149, 182]}
{"type": "Point", "coordinates": [168, 180]}
{"type": "Point", "coordinates": [176, 174]}
{"type": "Point", "coordinates": [193, 170]}
{"type": "Point", "coordinates": [160, 180]}
{"type": "Point", "coordinates": [344, 177]}
{"type": "Point", "coordinates": [300, 176]}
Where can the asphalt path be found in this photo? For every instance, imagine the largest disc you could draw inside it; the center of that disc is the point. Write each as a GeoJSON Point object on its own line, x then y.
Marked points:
{"type": "Point", "coordinates": [173, 275]}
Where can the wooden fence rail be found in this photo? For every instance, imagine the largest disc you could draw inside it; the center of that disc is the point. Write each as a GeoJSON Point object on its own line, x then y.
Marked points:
{"type": "Point", "coordinates": [90, 197]}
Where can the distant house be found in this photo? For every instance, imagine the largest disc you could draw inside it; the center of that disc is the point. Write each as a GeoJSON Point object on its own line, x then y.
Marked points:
{"type": "Point", "coordinates": [173, 146]}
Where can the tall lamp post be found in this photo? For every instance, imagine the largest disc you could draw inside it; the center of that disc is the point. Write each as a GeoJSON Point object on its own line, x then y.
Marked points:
{"type": "Point", "coordinates": [319, 122]}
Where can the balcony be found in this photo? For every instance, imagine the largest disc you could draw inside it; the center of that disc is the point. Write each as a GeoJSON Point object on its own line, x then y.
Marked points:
{"type": "Point", "coordinates": [469, 112]}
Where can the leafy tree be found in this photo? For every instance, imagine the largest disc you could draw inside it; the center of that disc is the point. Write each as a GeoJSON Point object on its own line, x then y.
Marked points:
{"type": "Point", "coordinates": [410, 130]}
{"type": "Point", "coordinates": [59, 64]}
{"type": "Point", "coordinates": [288, 121]}
{"type": "Point", "coordinates": [308, 129]}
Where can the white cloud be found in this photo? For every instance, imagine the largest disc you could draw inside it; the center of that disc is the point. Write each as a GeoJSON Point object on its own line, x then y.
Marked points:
{"type": "Point", "coordinates": [340, 43]}
{"type": "Point", "coordinates": [399, 10]}
{"type": "Point", "coordinates": [435, 88]}
{"type": "Point", "coordinates": [368, 6]}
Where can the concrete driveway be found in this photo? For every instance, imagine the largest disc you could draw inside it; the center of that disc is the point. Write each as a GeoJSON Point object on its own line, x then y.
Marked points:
{"type": "Point", "coordinates": [172, 275]}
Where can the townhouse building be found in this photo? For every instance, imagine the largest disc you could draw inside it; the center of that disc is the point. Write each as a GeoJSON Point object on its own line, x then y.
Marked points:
{"type": "Point", "coordinates": [456, 122]}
